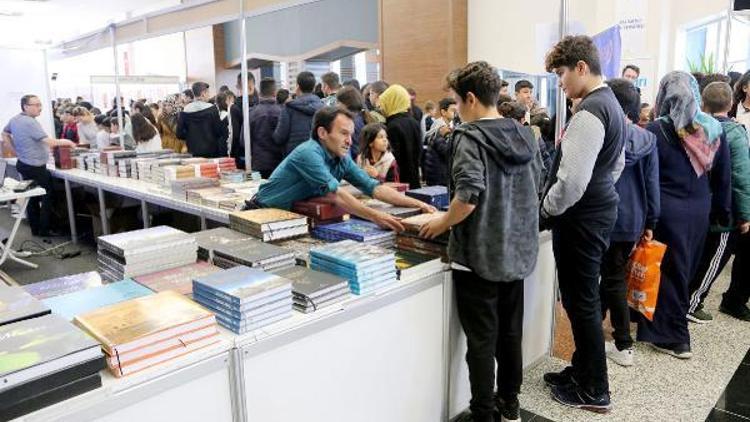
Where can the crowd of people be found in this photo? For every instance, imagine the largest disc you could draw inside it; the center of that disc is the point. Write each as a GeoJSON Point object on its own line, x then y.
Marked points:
{"type": "Point", "coordinates": [623, 172]}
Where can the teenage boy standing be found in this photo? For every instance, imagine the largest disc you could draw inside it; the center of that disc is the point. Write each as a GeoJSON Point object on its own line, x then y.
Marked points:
{"type": "Point", "coordinates": [494, 174]}
{"type": "Point", "coordinates": [580, 203]}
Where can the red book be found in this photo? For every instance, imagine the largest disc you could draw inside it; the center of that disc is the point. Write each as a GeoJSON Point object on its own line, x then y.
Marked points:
{"type": "Point", "coordinates": [320, 208]}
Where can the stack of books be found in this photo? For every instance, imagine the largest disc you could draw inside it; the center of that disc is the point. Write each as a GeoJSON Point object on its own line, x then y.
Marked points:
{"type": "Point", "coordinates": [301, 248]}
{"type": "Point", "coordinates": [195, 196]}
{"type": "Point", "coordinates": [17, 305]}
{"type": "Point", "coordinates": [63, 159]}
{"type": "Point", "coordinates": [269, 223]}
{"type": "Point", "coordinates": [411, 241]}
{"type": "Point", "coordinates": [321, 210]}
{"type": "Point", "coordinates": [313, 290]}
{"type": "Point", "coordinates": [225, 163]}
{"type": "Point", "coordinates": [63, 285]}
{"type": "Point", "coordinates": [366, 267]}
{"type": "Point", "coordinates": [232, 176]}
{"type": "Point", "coordinates": [437, 196]}
{"type": "Point", "coordinates": [209, 240]}
{"type": "Point", "coordinates": [44, 361]}
{"type": "Point", "coordinates": [113, 159]}
{"type": "Point", "coordinates": [144, 251]}
{"type": "Point", "coordinates": [156, 169]}
{"type": "Point", "coordinates": [178, 279]}
{"type": "Point", "coordinates": [180, 187]}
{"type": "Point", "coordinates": [355, 229]}
{"type": "Point", "coordinates": [244, 299]}
{"type": "Point", "coordinates": [398, 212]}
{"type": "Point", "coordinates": [143, 332]}
{"type": "Point", "coordinates": [207, 170]}
{"type": "Point", "coordinates": [172, 173]}
{"type": "Point", "coordinates": [253, 253]}
{"type": "Point", "coordinates": [70, 305]}
{"type": "Point", "coordinates": [412, 266]}
{"type": "Point", "coordinates": [230, 201]}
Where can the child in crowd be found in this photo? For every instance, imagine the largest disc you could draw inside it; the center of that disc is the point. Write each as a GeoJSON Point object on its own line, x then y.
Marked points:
{"type": "Point", "coordinates": [103, 131]}
{"type": "Point", "coordinates": [146, 137]}
{"type": "Point", "coordinates": [376, 157]}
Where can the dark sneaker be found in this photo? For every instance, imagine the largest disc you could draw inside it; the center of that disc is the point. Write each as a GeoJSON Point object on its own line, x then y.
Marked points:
{"type": "Point", "coordinates": [700, 316]}
{"type": "Point", "coordinates": [577, 398]}
{"type": "Point", "coordinates": [510, 410]}
{"type": "Point", "coordinates": [558, 379]}
{"type": "Point", "coordinates": [467, 416]}
{"type": "Point", "coordinates": [678, 350]}
{"type": "Point", "coordinates": [739, 312]}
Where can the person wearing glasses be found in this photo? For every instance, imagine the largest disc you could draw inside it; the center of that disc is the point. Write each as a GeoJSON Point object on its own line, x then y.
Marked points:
{"type": "Point", "coordinates": [32, 145]}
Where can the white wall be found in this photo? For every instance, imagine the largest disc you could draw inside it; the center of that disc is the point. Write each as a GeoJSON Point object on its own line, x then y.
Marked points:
{"type": "Point", "coordinates": [199, 45]}
{"type": "Point", "coordinates": [23, 73]}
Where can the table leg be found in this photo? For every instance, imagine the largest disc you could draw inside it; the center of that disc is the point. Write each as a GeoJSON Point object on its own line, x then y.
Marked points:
{"type": "Point", "coordinates": [71, 213]}
{"type": "Point", "coordinates": [103, 211]}
{"type": "Point", "coordinates": [7, 252]}
{"type": "Point", "coordinates": [144, 213]}
{"type": "Point", "coordinates": [204, 226]}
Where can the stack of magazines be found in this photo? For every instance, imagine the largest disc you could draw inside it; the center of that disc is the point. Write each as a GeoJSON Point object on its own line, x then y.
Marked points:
{"type": "Point", "coordinates": [269, 224]}
{"type": "Point", "coordinates": [244, 299]}
{"type": "Point", "coordinates": [144, 251]}
{"type": "Point", "coordinates": [366, 267]}
{"type": "Point", "coordinates": [313, 290]}
{"type": "Point", "coordinates": [143, 332]}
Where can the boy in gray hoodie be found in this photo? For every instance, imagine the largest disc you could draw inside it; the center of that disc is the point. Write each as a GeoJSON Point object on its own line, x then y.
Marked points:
{"type": "Point", "coordinates": [493, 217]}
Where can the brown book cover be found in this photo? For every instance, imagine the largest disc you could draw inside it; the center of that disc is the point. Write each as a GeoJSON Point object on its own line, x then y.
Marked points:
{"type": "Point", "coordinates": [178, 279]}
{"type": "Point", "coordinates": [129, 325]}
{"type": "Point", "coordinates": [415, 223]}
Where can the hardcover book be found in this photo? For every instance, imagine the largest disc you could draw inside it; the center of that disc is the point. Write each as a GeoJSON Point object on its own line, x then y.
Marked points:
{"type": "Point", "coordinates": [359, 230]}
{"type": "Point", "coordinates": [17, 305]}
{"type": "Point", "coordinates": [436, 196]}
{"type": "Point", "coordinates": [243, 284]}
{"type": "Point", "coordinates": [311, 283]}
{"type": "Point", "coordinates": [50, 396]}
{"type": "Point", "coordinates": [415, 223]}
{"type": "Point", "coordinates": [72, 304]}
{"type": "Point", "coordinates": [178, 279]}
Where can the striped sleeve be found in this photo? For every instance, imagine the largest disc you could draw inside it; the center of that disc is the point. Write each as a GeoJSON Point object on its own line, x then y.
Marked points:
{"type": "Point", "coordinates": [580, 147]}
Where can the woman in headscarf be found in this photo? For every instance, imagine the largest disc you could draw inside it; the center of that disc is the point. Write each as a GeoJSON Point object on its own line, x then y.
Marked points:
{"type": "Point", "coordinates": [404, 133]}
{"type": "Point", "coordinates": [167, 124]}
{"type": "Point", "coordinates": [694, 176]}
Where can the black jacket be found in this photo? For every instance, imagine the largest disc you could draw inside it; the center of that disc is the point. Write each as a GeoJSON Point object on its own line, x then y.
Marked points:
{"type": "Point", "coordinates": [436, 155]}
{"type": "Point", "coordinates": [405, 136]}
{"type": "Point", "coordinates": [295, 122]}
{"type": "Point", "coordinates": [263, 120]}
{"type": "Point", "coordinates": [203, 131]}
{"type": "Point", "coordinates": [238, 140]}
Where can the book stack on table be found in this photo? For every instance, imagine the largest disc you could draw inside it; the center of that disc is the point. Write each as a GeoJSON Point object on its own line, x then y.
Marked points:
{"type": "Point", "coordinates": [17, 305]}
{"type": "Point", "coordinates": [244, 299]}
{"type": "Point", "coordinates": [410, 240]}
{"type": "Point", "coordinates": [43, 361]}
{"type": "Point", "coordinates": [70, 305]}
{"type": "Point", "coordinates": [232, 176]}
{"type": "Point", "coordinates": [179, 279]}
{"type": "Point", "coordinates": [143, 332]}
{"type": "Point", "coordinates": [63, 285]}
{"type": "Point", "coordinates": [181, 187]}
{"type": "Point", "coordinates": [437, 196]}
{"type": "Point", "coordinates": [144, 251]}
{"type": "Point", "coordinates": [253, 253]}
{"type": "Point", "coordinates": [301, 246]}
{"type": "Point", "coordinates": [313, 290]}
{"type": "Point", "coordinates": [225, 163]}
{"type": "Point", "coordinates": [321, 210]}
{"type": "Point", "coordinates": [209, 240]}
{"type": "Point", "coordinates": [207, 170]}
{"type": "Point", "coordinates": [355, 229]}
{"type": "Point", "coordinates": [366, 267]}
{"type": "Point", "coordinates": [269, 224]}
{"type": "Point", "coordinates": [412, 266]}
{"type": "Point", "coordinates": [63, 158]}
{"type": "Point", "coordinates": [398, 212]}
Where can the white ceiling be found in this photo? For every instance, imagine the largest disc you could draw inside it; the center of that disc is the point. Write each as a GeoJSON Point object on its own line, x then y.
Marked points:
{"type": "Point", "coordinates": [35, 23]}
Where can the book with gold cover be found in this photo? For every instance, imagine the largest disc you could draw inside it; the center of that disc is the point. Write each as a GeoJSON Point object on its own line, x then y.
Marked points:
{"type": "Point", "coordinates": [127, 326]}
{"type": "Point", "coordinates": [269, 223]}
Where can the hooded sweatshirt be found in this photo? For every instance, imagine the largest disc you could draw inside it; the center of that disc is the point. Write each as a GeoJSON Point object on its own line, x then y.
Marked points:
{"type": "Point", "coordinates": [201, 127]}
{"type": "Point", "coordinates": [737, 138]}
{"type": "Point", "coordinates": [295, 122]}
{"type": "Point", "coordinates": [436, 151]}
{"type": "Point", "coordinates": [638, 186]}
{"type": "Point", "coordinates": [495, 165]}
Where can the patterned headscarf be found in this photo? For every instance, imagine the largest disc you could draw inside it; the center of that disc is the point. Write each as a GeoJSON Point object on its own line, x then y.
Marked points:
{"type": "Point", "coordinates": [170, 108]}
{"type": "Point", "coordinates": [678, 103]}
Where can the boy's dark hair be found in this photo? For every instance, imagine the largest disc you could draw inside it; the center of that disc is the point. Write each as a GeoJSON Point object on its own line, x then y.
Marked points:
{"type": "Point", "coordinates": [367, 136]}
{"type": "Point", "coordinates": [713, 77]}
{"type": "Point", "coordinates": [142, 129]}
{"type": "Point", "coordinates": [445, 103]}
{"type": "Point", "coordinates": [99, 120]}
{"type": "Point", "coordinates": [222, 100]}
{"type": "Point", "coordinates": [282, 95]}
{"type": "Point", "coordinates": [523, 83]}
{"type": "Point", "coordinates": [250, 78]}
{"type": "Point", "coordinates": [512, 110]}
{"type": "Point", "coordinates": [352, 82]}
{"type": "Point", "coordinates": [739, 93]}
{"type": "Point", "coordinates": [351, 98]}
{"type": "Point", "coordinates": [503, 83]}
{"type": "Point", "coordinates": [479, 78]}
{"type": "Point", "coordinates": [379, 87]}
{"type": "Point", "coordinates": [331, 79]}
{"type": "Point", "coordinates": [306, 82]}
{"type": "Point", "coordinates": [717, 97]}
{"type": "Point", "coordinates": [324, 118]}
{"type": "Point", "coordinates": [199, 88]}
{"type": "Point", "coordinates": [628, 97]}
{"type": "Point", "coordinates": [188, 93]}
{"type": "Point", "coordinates": [502, 98]}
{"type": "Point", "coordinates": [635, 69]}
{"type": "Point", "coordinates": [572, 49]}
{"type": "Point", "coordinates": [223, 88]}
{"type": "Point", "coordinates": [318, 90]}
{"type": "Point", "coordinates": [267, 87]}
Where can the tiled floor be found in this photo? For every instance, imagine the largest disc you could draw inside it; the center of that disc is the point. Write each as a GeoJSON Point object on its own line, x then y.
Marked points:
{"type": "Point", "coordinates": [734, 403]}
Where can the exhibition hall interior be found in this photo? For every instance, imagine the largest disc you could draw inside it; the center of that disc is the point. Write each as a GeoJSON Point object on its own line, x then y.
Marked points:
{"type": "Point", "coordinates": [375, 210]}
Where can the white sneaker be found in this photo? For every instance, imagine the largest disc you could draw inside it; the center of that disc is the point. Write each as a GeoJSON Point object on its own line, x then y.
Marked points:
{"type": "Point", "coordinates": [620, 357]}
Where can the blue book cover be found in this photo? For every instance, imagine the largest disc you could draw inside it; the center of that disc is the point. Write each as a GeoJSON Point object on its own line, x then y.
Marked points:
{"type": "Point", "coordinates": [433, 195]}
{"type": "Point", "coordinates": [359, 230]}
{"type": "Point", "coordinates": [241, 328]}
{"type": "Point", "coordinates": [216, 304]}
{"type": "Point", "coordinates": [349, 274]}
{"type": "Point", "coordinates": [353, 254]}
{"type": "Point", "coordinates": [242, 284]}
{"type": "Point", "coordinates": [72, 304]}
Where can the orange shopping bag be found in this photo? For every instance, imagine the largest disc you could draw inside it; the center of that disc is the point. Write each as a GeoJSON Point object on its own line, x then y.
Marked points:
{"type": "Point", "coordinates": [644, 277]}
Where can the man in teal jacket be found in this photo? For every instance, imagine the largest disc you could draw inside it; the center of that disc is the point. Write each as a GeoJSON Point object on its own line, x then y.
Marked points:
{"type": "Point", "coordinates": [722, 241]}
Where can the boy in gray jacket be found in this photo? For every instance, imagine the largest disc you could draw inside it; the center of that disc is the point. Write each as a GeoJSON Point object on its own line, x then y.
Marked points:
{"type": "Point", "coordinates": [494, 175]}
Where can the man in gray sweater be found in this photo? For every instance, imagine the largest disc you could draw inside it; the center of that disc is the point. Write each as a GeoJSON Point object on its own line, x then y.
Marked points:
{"type": "Point", "coordinates": [493, 217]}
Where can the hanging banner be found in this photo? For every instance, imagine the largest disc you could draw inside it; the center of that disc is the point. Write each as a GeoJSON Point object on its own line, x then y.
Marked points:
{"type": "Point", "coordinates": [609, 44]}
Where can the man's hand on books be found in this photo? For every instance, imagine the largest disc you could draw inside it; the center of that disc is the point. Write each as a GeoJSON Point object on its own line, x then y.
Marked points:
{"type": "Point", "coordinates": [388, 221]}
{"type": "Point", "coordinates": [434, 228]}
